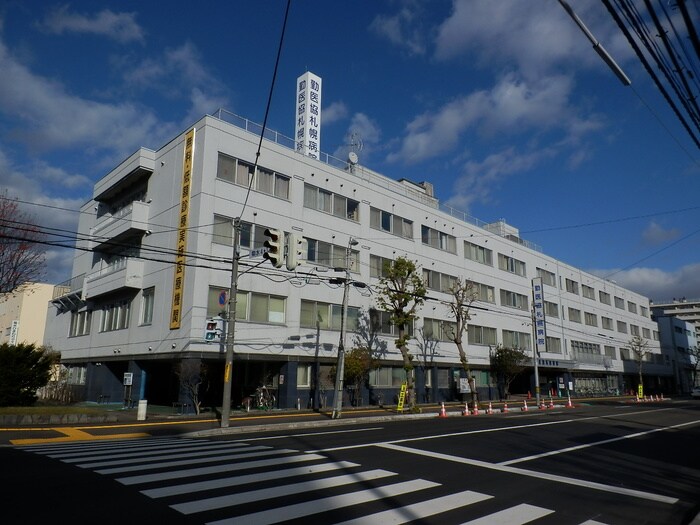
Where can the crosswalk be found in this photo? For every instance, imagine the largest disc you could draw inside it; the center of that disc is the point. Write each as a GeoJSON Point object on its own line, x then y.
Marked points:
{"type": "Point", "coordinates": [234, 482]}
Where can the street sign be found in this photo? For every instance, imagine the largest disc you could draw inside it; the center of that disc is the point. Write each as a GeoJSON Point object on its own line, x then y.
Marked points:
{"type": "Point", "coordinates": [464, 387]}
{"type": "Point", "coordinates": [402, 397]}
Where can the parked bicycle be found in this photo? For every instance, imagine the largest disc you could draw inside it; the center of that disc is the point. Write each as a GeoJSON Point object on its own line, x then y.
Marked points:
{"type": "Point", "coordinates": [264, 399]}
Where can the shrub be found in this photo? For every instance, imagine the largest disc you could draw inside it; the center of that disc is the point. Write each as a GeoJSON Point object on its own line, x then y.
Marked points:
{"type": "Point", "coordinates": [23, 369]}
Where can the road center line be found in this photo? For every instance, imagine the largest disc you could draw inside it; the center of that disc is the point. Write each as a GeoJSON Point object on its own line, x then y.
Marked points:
{"type": "Point", "coordinates": [595, 444]}
{"type": "Point", "coordinates": [533, 474]}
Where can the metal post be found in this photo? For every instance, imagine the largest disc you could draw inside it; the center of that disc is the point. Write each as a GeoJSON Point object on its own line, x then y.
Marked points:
{"type": "Point", "coordinates": [340, 368]}
{"type": "Point", "coordinates": [231, 325]}
{"type": "Point", "coordinates": [317, 367]}
{"type": "Point", "coordinates": [534, 359]}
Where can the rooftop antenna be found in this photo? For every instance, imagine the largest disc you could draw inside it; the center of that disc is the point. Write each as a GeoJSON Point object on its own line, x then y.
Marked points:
{"type": "Point", "coordinates": [355, 145]}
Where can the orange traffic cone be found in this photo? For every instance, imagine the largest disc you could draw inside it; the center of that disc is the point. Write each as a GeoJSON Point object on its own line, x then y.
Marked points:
{"type": "Point", "coordinates": [551, 403]}
{"type": "Point", "coordinates": [489, 410]}
{"type": "Point", "coordinates": [475, 410]}
{"type": "Point", "coordinates": [465, 412]}
{"type": "Point", "coordinates": [542, 405]}
{"type": "Point", "coordinates": [662, 397]}
{"type": "Point", "coordinates": [442, 410]}
{"type": "Point", "coordinates": [524, 408]}
{"type": "Point", "coordinates": [568, 402]}
{"type": "Point", "coordinates": [505, 407]}
{"type": "Point", "coordinates": [529, 395]}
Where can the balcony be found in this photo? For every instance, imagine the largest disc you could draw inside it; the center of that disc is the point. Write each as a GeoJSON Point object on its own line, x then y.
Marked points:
{"type": "Point", "coordinates": [110, 279]}
{"type": "Point", "coordinates": [133, 171]}
{"type": "Point", "coordinates": [68, 295]}
{"type": "Point", "coordinates": [129, 221]}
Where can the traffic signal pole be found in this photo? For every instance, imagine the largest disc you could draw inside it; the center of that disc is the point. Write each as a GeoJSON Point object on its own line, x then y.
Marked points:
{"type": "Point", "coordinates": [231, 325]}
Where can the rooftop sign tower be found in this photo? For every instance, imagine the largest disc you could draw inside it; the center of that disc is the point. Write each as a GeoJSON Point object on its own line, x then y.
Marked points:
{"type": "Point", "coordinates": [307, 131]}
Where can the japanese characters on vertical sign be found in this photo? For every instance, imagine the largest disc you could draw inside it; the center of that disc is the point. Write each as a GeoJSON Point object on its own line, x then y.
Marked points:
{"type": "Point", "coordinates": [181, 244]}
{"type": "Point", "coordinates": [307, 131]}
{"type": "Point", "coordinates": [539, 319]}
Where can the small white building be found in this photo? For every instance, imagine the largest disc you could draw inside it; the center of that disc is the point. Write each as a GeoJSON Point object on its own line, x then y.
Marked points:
{"type": "Point", "coordinates": [157, 264]}
{"type": "Point", "coordinates": [23, 314]}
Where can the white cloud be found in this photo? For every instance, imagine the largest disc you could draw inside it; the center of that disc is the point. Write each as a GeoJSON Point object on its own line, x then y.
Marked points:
{"type": "Point", "coordinates": [655, 234]}
{"type": "Point", "coordinates": [121, 27]}
{"type": "Point", "coordinates": [513, 106]}
{"type": "Point", "coordinates": [334, 112]}
{"type": "Point", "coordinates": [535, 39]}
{"type": "Point", "coordinates": [480, 178]}
{"type": "Point", "coordinates": [404, 29]}
{"type": "Point", "coordinates": [366, 132]}
{"type": "Point", "coordinates": [658, 285]}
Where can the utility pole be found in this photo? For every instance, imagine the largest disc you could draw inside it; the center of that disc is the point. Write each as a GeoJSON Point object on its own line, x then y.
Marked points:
{"type": "Point", "coordinates": [317, 367]}
{"type": "Point", "coordinates": [231, 325]}
{"type": "Point", "coordinates": [340, 368]}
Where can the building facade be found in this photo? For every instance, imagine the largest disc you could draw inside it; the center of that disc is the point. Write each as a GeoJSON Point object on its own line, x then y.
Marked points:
{"type": "Point", "coordinates": [680, 343]}
{"type": "Point", "coordinates": [155, 265]}
{"type": "Point", "coordinates": [23, 314]}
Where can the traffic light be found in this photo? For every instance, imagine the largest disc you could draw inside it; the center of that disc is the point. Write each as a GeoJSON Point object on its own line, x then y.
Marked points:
{"type": "Point", "coordinates": [275, 247]}
{"type": "Point", "coordinates": [297, 247]}
{"type": "Point", "coordinates": [211, 330]}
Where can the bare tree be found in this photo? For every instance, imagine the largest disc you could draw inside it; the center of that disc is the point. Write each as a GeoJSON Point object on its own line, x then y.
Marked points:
{"type": "Point", "coordinates": [463, 295]}
{"type": "Point", "coordinates": [639, 347]}
{"type": "Point", "coordinates": [21, 252]}
{"type": "Point", "coordinates": [401, 293]}
{"type": "Point", "coordinates": [192, 374]}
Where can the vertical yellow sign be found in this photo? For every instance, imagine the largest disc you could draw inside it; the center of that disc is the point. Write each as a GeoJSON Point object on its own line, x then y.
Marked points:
{"type": "Point", "coordinates": [402, 397]}
{"type": "Point", "coordinates": [183, 221]}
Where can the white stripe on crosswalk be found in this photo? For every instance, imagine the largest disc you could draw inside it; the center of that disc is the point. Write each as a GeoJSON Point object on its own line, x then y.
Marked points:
{"type": "Point", "coordinates": [278, 491]}
{"type": "Point", "coordinates": [175, 448]}
{"type": "Point", "coordinates": [97, 445]}
{"type": "Point", "coordinates": [193, 461]}
{"type": "Point", "coordinates": [143, 459]}
{"type": "Point", "coordinates": [217, 469]}
{"type": "Point", "coordinates": [188, 488]}
{"type": "Point", "coordinates": [518, 515]}
{"type": "Point", "coordinates": [592, 522]}
{"type": "Point", "coordinates": [424, 509]}
{"type": "Point", "coordinates": [318, 506]}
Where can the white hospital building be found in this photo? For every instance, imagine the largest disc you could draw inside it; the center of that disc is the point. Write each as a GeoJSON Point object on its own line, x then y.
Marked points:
{"type": "Point", "coordinates": [153, 263]}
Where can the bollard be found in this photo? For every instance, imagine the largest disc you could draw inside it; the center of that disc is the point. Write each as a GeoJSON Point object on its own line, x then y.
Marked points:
{"type": "Point", "coordinates": [141, 413]}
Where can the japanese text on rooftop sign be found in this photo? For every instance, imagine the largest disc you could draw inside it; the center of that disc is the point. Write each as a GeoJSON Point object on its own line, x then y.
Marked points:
{"type": "Point", "coordinates": [540, 328]}
{"type": "Point", "coordinates": [308, 115]}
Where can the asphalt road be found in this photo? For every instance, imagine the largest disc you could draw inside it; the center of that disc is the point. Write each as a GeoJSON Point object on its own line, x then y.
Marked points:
{"type": "Point", "coordinates": [618, 464]}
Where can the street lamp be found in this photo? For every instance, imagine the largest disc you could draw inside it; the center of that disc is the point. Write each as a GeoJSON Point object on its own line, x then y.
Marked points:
{"type": "Point", "coordinates": [340, 367]}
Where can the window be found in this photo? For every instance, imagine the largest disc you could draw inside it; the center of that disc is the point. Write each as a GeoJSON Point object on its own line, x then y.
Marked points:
{"type": "Point", "coordinates": [478, 253]}
{"type": "Point", "coordinates": [147, 297]}
{"type": "Point", "coordinates": [581, 347]}
{"type": "Point", "coordinates": [484, 292]}
{"type": "Point", "coordinates": [551, 309]}
{"type": "Point", "coordinates": [607, 323]}
{"type": "Point", "coordinates": [266, 308]}
{"type": "Point", "coordinates": [331, 255]}
{"type": "Point", "coordinates": [632, 307]}
{"type": "Point", "coordinates": [328, 316]}
{"type": "Point", "coordinates": [590, 319]}
{"type": "Point", "coordinates": [388, 222]}
{"type": "Point", "coordinates": [656, 335]}
{"type": "Point", "coordinates": [603, 297]}
{"type": "Point", "coordinates": [115, 316]}
{"type": "Point", "coordinates": [440, 282]}
{"type": "Point", "coordinates": [379, 266]}
{"type": "Point", "coordinates": [574, 315]}
{"type": "Point", "coordinates": [622, 327]}
{"type": "Point", "coordinates": [481, 335]}
{"type": "Point", "coordinates": [644, 311]}
{"type": "Point", "coordinates": [646, 333]}
{"type": "Point", "coordinates": [588, 292]}
{"type": "Point", "coordinates": [547, 277]}
{"type": "Point", "coordinates": [571, 286]}
{"type": "Point", "coordinates": [217, 303]}
{"type": "Point", "coordinates": [514, 300]}
{"type": "Point", "coordinates": [303, 376]}
{"type": "Point", "coordinates": [387, 376]}
{"type": "Point", "coordinates": [437, 239]}
{"type": "Point", "coordinates": [438, 330]}
{"type": "Point", "coordinates": [634, 329]}
{"type": "Point", "coordinates": [619, 303]}
{"type": "Point", "coordinates": [239, 172]}
{"type": "Point", "coordinates": [328, 202]}
{"type": "Point", "coordinates": [381, 322]}
{"type": "Point", "coordinates": [516, 339]}
{"type": "Point", "coordinates": [553, 345]}
{"type": "Point", "coordinates": [610, 351]}
{"type": "Point", "coordinates": [509, 264]}
{"type": "Point", "coordinates": [80, 323]}
{"type": "Point", "coordinates": [252, 235]}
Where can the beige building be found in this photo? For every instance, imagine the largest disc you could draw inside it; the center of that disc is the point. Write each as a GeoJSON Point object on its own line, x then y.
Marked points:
{"type": "Point", "coordinates": [23, 315]}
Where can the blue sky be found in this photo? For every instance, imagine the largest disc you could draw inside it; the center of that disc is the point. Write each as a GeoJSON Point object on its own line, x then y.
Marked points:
{"type": "Point", "coordinates": [503, 106]}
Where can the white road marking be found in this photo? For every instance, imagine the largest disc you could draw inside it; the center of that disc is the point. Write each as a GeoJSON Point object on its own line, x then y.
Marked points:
{"type": "Point", "coordinates": [518, 515]}
{"type": "Point", "coordinates": [539, 475]}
